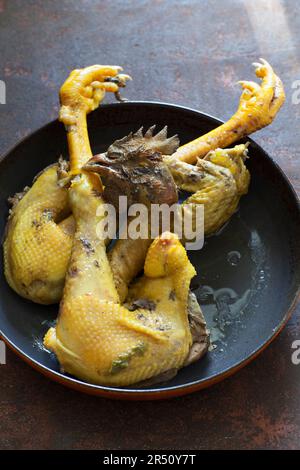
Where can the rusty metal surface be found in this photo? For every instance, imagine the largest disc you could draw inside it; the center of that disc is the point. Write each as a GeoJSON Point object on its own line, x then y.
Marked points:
{"type": "Point", "coordinates": [190, 53]}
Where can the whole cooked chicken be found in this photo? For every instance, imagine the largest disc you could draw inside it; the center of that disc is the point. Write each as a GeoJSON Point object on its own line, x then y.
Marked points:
{"type": "Point", "coordinates": [41, 220]}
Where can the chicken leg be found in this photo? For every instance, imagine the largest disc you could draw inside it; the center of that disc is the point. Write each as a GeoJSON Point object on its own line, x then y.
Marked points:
{"type": "Point", "coordinates": [39, 237]}
{"type": "Point", "coordinates": [258, 107]}
{"type": "Point", "coordinates": [101, 341]}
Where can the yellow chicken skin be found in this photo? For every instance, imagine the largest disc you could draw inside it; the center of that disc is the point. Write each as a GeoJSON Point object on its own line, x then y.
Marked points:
{"type": "Point", "coordinates": [217, 181]}
{"type": "Point", "coordinates": [34, 266]}
{"type": "Point", "coordinates": [103, 342]}
{"type": "Point", "coordinates": [258, 107]}
{"type": "Point", "coordinates": [38, 240]}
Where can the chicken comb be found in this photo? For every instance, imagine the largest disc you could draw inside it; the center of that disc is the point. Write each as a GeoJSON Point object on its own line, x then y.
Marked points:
{"type": "Point", "coordinates": [139, 142]}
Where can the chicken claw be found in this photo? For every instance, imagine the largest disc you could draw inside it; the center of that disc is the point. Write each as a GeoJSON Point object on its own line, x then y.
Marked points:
{"type": "Point", "coordinates": [81, 93]}
{"type": "Point", "coordinates": [258, 106]}
{"type": "Point", "coordinates": [84, 89]}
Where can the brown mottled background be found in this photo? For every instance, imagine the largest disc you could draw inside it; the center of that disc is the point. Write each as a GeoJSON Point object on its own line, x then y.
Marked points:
{"type": "Point", "coordinates": [190, 53]}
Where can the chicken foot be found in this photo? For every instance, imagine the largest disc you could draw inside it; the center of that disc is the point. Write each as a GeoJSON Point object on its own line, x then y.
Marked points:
{"type": "Point", "coordinates": [257, 108]}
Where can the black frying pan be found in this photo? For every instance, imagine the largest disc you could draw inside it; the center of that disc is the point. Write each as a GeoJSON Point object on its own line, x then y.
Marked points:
{"type": "Point", "coordinates": [248, 274]}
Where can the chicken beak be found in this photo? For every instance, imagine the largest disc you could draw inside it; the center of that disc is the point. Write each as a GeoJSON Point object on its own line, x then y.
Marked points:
{"type": "Point", "coordinates": [99, 164]}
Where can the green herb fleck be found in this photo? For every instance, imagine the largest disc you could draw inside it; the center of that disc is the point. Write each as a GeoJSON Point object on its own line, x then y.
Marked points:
{"type": "Point", "coordinates": [123, 360]}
